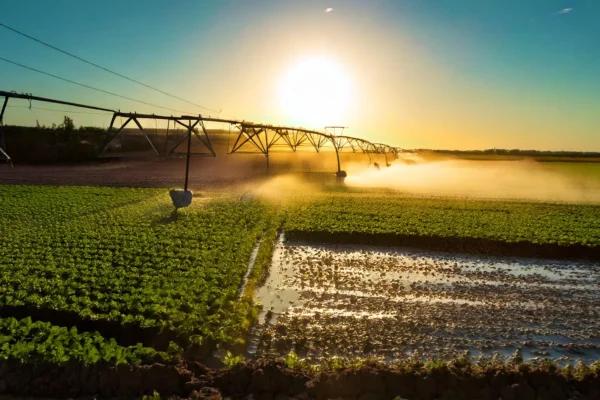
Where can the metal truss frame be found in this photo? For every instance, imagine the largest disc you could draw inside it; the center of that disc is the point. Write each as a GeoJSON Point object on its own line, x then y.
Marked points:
{"type": "Point", "coordinates": [260, 137]}
{"type": "Point", "coordinates": [188, 122]}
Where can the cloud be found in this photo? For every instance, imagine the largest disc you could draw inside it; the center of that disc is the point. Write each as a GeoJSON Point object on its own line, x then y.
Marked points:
{"type": "Point", "coordinates": [329, 9]}
{"type": "Point", "coordinates": [564, 11]}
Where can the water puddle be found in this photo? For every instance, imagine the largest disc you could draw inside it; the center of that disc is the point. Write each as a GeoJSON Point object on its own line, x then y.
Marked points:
{"type": "Point", "coordinates": [347, 300]}
{"type": "Point", "coordinates": [249, 268]}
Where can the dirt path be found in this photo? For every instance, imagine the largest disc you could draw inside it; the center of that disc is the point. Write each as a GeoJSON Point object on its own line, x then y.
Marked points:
{"type": "Point", "coordinates": [137, 173]}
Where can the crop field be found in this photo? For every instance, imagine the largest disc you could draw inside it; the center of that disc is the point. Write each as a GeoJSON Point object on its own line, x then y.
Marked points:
{"type": "Point", "coordinates": [116, 261]}
{"type": "Point", "coordinates": [30, 342]}
{"type": "Point", "coordinates": [376, 217]}
{"type": "Point", "coordinates": [384, 200]}
{"type": "Point", "coordinates": [112, 275]}
{"type": "Point", "coordinates": [576, 169]}
{"type": "Point", "coordinates": [357, 277]}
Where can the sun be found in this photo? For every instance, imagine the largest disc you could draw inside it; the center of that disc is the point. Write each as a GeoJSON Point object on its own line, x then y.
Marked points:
{"type": "Point", "coordinates": [316, 92]}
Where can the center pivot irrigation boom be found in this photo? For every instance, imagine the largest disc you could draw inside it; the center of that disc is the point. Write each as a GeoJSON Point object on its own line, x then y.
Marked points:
{"type": "Point", "coordinates": [260, 138]}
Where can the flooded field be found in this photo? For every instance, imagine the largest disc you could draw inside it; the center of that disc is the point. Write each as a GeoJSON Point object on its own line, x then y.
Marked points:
{"type": "Point", "coordinates": [332, 300]}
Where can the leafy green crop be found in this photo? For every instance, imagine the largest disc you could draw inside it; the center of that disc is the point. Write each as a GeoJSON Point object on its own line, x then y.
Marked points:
{"type": "Point", "coordinates": [118, 255]}
{"type": "Point", "coordinates": [508, 221]}
{"type": "Point", "coordinates": [27, 341]}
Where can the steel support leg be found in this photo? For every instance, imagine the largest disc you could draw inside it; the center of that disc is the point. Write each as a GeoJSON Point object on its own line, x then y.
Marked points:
{"type": "Point", "coordinates": [3, 109]}
{"type": "Point", "coordinates": [146, 136]}
{"type": "Point", "coordinates": [2, 134]}
{"type": "Point", "coordinates": [187, 158]}
{"type": "Point", "coordinates": [113, 136]}
{"type": "Point", "coordinates": [339, 173]}
{"type": "Point", "coordinates": [205, 139]}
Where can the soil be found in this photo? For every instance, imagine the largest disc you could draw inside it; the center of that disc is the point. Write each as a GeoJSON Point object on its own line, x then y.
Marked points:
{"type": "Point", "coordinates": [273, 380]}
{"type": "Point", "coordinates": [144, 172]}
{"type": "Point", "coordinates": [453, 244]}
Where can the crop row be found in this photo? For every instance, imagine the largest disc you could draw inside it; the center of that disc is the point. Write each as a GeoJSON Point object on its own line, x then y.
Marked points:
{"type": "Point", "coordinates": [118, 255]}
{"type": "Point", "coordinates": [506, 221]}
{"type": "Point", "coordinates": [26, 341]}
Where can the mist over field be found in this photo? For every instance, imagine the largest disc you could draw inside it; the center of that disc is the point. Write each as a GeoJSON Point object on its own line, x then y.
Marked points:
{"type": "Point", "coordinates": [522, 179]}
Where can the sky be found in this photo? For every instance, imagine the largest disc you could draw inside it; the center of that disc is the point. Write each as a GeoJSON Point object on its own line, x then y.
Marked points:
{"type": "Point", "coordinates": [451, 74]}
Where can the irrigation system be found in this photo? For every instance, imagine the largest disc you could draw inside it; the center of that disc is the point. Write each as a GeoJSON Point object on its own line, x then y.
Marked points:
{"type": "Point", "coordinates": [251, 137]}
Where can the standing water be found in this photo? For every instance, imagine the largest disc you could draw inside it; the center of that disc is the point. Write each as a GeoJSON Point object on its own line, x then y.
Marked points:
{"type": "Point", "coordinates": [359, 301]}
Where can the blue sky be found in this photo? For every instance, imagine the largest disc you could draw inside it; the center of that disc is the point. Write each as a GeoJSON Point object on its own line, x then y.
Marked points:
{"type": "Point", "coordinates": [438, 74]}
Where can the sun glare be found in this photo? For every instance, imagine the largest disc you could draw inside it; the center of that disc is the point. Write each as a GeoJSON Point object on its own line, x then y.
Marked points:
{"type": "Point", "coordinates": [316, 92]}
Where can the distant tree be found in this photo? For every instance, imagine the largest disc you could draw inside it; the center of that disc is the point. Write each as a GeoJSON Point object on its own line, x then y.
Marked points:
{"type": "Point", "coordinates": [68, 124]}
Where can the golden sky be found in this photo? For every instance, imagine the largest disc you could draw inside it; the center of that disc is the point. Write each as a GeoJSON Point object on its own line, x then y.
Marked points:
{"type": "Point", "coordinates": [415, 74]}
